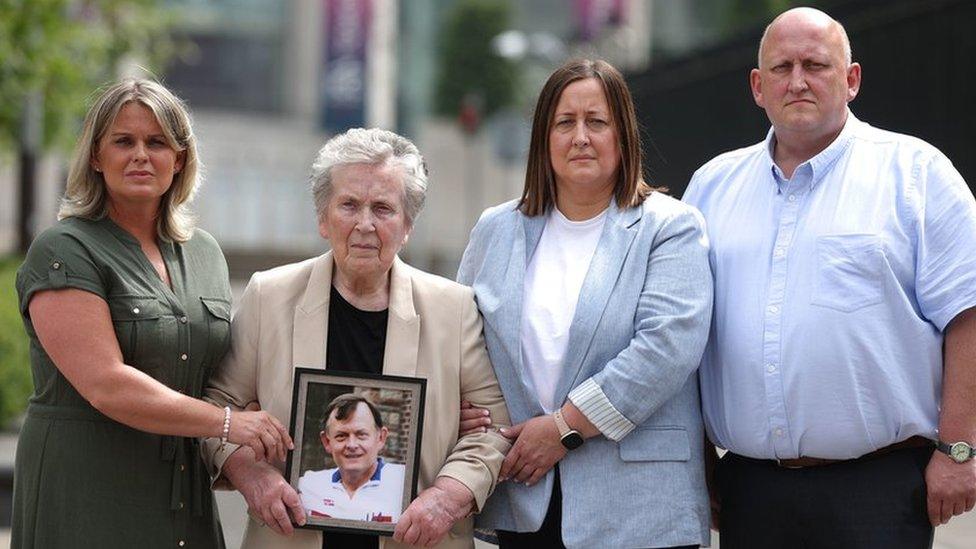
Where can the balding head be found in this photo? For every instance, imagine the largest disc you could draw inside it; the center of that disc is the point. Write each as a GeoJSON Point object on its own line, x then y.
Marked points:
{"type": "Point", "coordinates": [811, 19]}
{"type": "Point", "coordinates": [805, 80]}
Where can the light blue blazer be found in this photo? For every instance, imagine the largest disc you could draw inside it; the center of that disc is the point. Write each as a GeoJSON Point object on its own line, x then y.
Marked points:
{"type": "Point", "coordinates": [639, 331]}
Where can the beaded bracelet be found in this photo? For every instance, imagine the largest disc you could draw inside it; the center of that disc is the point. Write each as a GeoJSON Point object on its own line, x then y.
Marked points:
{"type": "Point", "coordinates": [226, 432]}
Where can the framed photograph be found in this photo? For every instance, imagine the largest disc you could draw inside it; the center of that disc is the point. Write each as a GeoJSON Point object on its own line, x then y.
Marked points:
{"type": "Point", "coordinates": [357, 443]}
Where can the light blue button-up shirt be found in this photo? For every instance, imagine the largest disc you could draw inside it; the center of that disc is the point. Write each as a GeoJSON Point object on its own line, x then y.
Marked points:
{"type": "Point", "coordinates": [832, 293]}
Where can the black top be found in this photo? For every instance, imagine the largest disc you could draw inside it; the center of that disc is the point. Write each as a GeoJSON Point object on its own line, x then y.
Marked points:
{"type": "Point", "coordinates": [356, 338]}
{"type": "Point", "coordinates": [356, 343]}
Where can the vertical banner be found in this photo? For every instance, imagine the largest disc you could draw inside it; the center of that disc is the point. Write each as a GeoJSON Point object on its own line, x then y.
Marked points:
{"type": "Point", "coordinates": [593, 15]}
{"type": "Point", "coordinates": [343, 86]}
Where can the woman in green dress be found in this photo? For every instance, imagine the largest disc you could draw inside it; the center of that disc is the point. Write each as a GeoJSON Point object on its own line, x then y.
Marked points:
{"type": "Point", "coordinates": [127, 308]}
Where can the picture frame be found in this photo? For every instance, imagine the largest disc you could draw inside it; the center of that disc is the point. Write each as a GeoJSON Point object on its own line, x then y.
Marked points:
{"type": "Point", "coordinates": [381, 463]}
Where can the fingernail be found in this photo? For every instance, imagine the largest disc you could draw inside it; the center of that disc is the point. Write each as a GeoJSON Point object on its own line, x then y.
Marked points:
{"type": "Point", "coordinates": [484, 429]}
{"type": "Point", "coordinates": [503, 431]}
{"type": "Point", "coordinates": [484, 412]}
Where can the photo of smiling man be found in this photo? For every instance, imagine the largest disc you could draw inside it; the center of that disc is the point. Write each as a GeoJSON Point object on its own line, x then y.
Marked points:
{"type": "Point", "coordinates": [362, 486]}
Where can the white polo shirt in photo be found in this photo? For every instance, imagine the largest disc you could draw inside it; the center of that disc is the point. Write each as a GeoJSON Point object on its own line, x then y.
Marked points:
{"type": "Point", "coordinates": [378, 500]}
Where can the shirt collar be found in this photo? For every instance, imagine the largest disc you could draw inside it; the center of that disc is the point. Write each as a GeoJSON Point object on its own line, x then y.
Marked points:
{"type": "Point", "coordinates": [336, 477]}
{"type": "Point", "coordinates": [820, 164]}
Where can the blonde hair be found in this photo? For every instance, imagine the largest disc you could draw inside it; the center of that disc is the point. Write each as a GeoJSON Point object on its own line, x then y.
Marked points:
{"type": "Point", "coordinates": [85, 195]}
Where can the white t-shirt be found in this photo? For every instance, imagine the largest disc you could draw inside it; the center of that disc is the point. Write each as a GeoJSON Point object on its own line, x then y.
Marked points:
{"type": "Point", "coordinates": [379, 500]}
{"type": "Point", "coordinates": [552, 285]}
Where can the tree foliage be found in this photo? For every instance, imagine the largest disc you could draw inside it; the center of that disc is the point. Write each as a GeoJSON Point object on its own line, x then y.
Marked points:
{"type": "Point", "coordinates": [61, 50]}
{"type": "Point", "coordinates": [467, 64]}
{"type": "Point", "coordinates": [15, 375]}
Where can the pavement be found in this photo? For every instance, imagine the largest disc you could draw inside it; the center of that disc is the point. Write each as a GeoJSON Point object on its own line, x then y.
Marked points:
{"type": "Point", "coordinates": [960, 533]}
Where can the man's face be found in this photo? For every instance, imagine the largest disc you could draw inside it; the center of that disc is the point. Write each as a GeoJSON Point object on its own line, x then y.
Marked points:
{"type": "Point", "coordinates": [354, 442]}
{"type": "Point", "coordinates": [804, 82]}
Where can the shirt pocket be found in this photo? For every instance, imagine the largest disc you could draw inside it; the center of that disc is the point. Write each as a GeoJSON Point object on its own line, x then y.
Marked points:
{"type": "Point", "coordinates": [850, 272]}
{"type": "Point", "coordinates": [218, 329]}
{"type": "Point", "coordinates": [145, 329]}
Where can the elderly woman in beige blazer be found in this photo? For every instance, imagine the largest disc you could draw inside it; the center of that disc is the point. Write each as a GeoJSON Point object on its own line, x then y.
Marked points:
{"type": "Point", "coordinates": [368, 187]}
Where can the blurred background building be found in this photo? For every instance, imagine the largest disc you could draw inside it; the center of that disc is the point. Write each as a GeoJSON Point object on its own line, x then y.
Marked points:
{"type": "Point", "coordinates": [269, 81]}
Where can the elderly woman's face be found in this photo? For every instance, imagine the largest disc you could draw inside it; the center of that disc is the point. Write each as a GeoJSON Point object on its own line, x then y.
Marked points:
{"type": "Point", "coordinates": [583, 144]}
{"type": "Point", "coordinates": [365, 219]}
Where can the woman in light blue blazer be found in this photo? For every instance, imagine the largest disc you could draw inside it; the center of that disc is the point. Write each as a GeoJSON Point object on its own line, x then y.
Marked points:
{"type": "Point", "coordinates": [596, 295]}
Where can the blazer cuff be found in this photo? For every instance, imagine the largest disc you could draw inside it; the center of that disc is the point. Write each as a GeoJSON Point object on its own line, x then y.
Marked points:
{"type": "Point", "coordinates": [475, 477]}
{"type": "Point", "coordinates": [214, 459]}
{"type": "Point", "coordinates": [594, 404]}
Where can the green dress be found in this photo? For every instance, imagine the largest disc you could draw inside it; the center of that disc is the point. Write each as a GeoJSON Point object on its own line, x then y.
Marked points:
{"type": "Point", "coordinates": [82, 479]}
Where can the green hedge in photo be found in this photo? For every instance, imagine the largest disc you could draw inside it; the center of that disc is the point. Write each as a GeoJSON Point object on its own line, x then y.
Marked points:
{"type": "Point", "coordinates": [15, 376]}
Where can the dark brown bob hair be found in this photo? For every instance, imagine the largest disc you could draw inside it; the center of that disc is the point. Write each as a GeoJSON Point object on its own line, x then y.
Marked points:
{"type": "Point", "coordinates": [539, 193]}
{"type": "Point", "coordinates": [345, 404]}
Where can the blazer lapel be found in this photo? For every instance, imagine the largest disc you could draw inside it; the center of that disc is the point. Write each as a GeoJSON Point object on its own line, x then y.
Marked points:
{"type": "Point", "coordinates": [527, 238]}
{"type": "Point", "coordinates": [522, 250]}
{"type": "Point", "coordinates": [600, 281]}
{"type": "Point", "coordinates": [403, 326]}
{"type": "Point", "coordinates": [312, 317]}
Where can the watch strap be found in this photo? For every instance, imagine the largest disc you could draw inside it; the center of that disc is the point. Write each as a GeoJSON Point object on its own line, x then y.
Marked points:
{"type": "Point", "coordinates": [568, 437]}
{"type": "Point", "coordinates": [561, 424]}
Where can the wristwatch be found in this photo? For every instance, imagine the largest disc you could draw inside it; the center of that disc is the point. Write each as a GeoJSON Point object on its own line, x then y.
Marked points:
{"type": "Point", "coordinates": [960, 452]}
{"type": "Point", "coordinates": [570, 438]}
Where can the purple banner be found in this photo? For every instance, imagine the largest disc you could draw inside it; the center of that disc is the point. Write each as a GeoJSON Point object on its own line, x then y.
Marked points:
{"type": "Point", "coordinates": [343, 86]}
{"type": "Point", "coordinates": [593, 15]}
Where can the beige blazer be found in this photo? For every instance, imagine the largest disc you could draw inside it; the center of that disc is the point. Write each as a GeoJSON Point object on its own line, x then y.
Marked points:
{"type": "Point", "coordinates": [434, 332]}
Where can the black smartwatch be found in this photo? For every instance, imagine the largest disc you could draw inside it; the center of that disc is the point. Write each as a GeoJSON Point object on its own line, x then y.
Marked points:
{"type": "Point", "coordinates": [570, 438]}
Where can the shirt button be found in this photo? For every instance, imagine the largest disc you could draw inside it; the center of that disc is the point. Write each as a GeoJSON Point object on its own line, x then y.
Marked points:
{"type": "Point", "coordinates": [792, 198]}
{"type": "Point", "coordinates": [773, 309]}
{"type": "Point", "coordinates": [182, 543]}
{"type": "Point", "coordinates": [135, 310]}
{"type": "Point", "coordinates": [183, 357]}
{"type": "Point", "coordinates": [180, 506]}
{"type": "Point", "coordinates": [779, 252]}
{"type": "Point", "coordinates": [56, 265]}
{"type": "Point", "coordinates": [779, 432]}
{"type": "Point", "coordinates": [182, 467]}
{"type": "Point", "coordinates": [183, 319]}
{"type": "Point", "coordinates": [770, 367]}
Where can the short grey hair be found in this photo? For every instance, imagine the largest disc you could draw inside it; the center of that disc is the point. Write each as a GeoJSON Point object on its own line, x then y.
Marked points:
{"type": "Point", "coordinates": [845, 40]}
{"type": "Point", "coordinates": [86, 196]}
{"type": "Point", "coordinates": [370, 146]}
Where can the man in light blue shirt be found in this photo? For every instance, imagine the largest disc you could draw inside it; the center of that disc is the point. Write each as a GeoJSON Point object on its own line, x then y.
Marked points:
{"type": "Point", "coordinates": [844, 334]}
